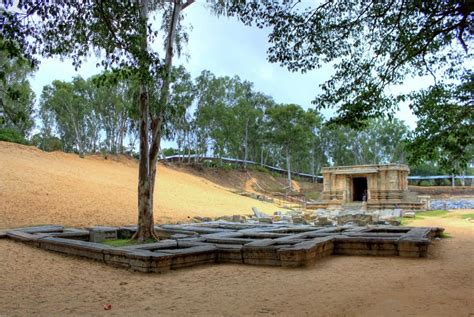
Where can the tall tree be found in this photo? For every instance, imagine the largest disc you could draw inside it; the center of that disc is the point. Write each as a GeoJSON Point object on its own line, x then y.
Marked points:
{"type": "Point", "coordinates": [66, 103]}
{"type": "Point", "coordinates": [290, 128]}
{"type": "Point", "coordinates": [121, 33]}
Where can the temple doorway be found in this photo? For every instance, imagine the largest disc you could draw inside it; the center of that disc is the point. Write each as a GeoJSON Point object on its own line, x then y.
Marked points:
{"type": "Point", "coordinates": [359, 187]}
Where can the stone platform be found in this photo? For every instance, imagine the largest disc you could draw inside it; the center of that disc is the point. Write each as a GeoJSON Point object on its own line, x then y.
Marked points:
{"type": "Point", "coordinates": [188, 245]}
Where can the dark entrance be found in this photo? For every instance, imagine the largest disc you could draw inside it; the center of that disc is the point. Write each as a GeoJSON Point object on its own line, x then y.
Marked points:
{"type": "Point", "coordinates": [359, 187]}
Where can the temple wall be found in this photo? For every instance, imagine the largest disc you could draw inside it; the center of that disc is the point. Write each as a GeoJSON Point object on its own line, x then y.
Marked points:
{"type": "Point", "coordinates": [386, 183]}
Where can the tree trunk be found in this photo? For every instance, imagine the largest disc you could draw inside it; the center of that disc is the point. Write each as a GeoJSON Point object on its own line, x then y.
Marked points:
{"type": "Point", "coordinates": [145, 226]}
{"type": "Point", "coordinates": [312, 165]}
{"type": "Point", "coordinates": [453, 180]}
{"type": "Point", "coordinates": [246, 155]}
{"type": "Point", "coordinates": [288, 166]}
{"type": "Point", "coordinates": [163, 102]}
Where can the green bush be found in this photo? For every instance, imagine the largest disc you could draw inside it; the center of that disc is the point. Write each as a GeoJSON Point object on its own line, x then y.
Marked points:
{"type": "Point", "coordinates": [262, 169]}
{"type": "Point", "coordinates": [12, 135]}
{"type": "Point", "coordinates": [425, 183]}
{"type": "Point", "coordinates": [48, 144]}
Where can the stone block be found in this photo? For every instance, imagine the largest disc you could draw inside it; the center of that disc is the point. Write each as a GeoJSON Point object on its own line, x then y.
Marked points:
{"type": "Point", "coordinates": [117, 257]}
{"type": "Point", "coordinates": [41, 229]}
{"type": "Point", "coordinates": [229, 253]}
{"type": "Point", "coordinates": [265, 220]}
{"type": "Point", "coordinates": [192, 256]}
{"type": "Point", "coordinates": [25, 237]}
{"type": "Point", "coordinates": [125, 233]}
{"type": "Point", "coordinates": [73, 247]}
{"type": "Point", "coordinates": [99, 234]}
{"type": "Point", "coordinates": [367, 246]}
{"type": "Point", "coordinates": [306, 252]}
{"type": "Point", "coordinates": [162, 244]}
{"type": "Point", "coordinates": [341, 251]}
{"type": "Point", "coordinates": [82, 235]}
{"type": "Point", "coordinates": [261, 256]}
{"type": "Point", "coordinates": [410, 254]}
{"type": "Point", "coordinates": [161, 262]}
{"type": "Point", "coordinates": [238, 218]}
{"type": "Point", "coordinates": [298, 219]}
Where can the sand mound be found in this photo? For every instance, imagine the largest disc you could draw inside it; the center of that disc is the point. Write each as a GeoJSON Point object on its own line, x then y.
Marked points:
{"type": "Point", "coordinates": [38, 187]}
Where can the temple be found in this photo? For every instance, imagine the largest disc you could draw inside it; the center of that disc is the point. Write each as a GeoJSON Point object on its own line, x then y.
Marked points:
{"type": "Point", "coordinates": [378, 186]}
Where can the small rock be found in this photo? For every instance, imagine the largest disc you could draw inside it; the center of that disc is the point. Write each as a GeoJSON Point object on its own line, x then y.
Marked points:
{"type": "Point", "coordinates": [238, 218]}
{"type": "Point", "coordinates": [224, 218]}
{"type": "Point", "coordinates": [298, 220]}
{"type": "Point", "coordinates": [265, 220]}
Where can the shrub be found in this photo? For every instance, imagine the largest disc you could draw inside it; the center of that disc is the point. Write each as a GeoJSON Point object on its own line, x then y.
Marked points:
{"type": "Point", "coordinates": [12, 135]}
{"type": "Point", "coordinates": [48, 144]}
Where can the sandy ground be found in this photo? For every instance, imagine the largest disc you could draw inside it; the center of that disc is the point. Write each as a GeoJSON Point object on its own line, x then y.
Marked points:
{"type": "Point", "coordinates": [37, 187]}
{"type": "Point", "coordinates": [63, 188]}
{"type": "Point", "coordinates": [35, 282]}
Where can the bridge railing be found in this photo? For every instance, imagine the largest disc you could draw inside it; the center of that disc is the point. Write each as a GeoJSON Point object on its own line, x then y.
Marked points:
{"type": "Point", "coordinates": [175, 158]}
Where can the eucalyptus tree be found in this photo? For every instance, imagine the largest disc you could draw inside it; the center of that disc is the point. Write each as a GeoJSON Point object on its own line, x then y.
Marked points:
{"type": "Point", "coordinates": [380, 141]}
{"type": "Point", "coordinates": [112, 102]}
{"type": "Point", "coordinates": [249, 110]}
{"type": "Point", "coordinates": [63, 102]}
{"type": "Point", "coordinates": [289, 128]}
{"type": "Point", "coordinates": [178, 117]}
{"type": "Point", "coordinates": [120, 32]}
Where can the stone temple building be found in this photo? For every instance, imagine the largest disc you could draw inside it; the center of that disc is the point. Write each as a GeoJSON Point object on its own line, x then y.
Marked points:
{"type": "Point", "coordinates": [378, 186]}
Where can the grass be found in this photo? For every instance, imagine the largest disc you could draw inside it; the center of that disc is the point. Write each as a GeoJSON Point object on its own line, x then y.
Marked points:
{"type": "Point", "coordinates": [432, 213]}
{"type": "Point", "coordinates": [125, 242]}
{"type": "Point", "coordinates": [468, 216]}
{"type": "Point", "coordinates": [445, 235]}
{"type": "Point", "coordinates": [403, 221]}
{"type": "Point", "coordinates": [422, 215]}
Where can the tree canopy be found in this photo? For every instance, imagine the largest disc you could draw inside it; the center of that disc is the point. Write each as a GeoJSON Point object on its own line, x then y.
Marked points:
{"type": "Point", "coordinates": [444, 132]}
{"type": "Point", "coordinates": [371, 45]}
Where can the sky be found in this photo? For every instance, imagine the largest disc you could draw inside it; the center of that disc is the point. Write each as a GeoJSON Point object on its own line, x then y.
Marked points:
{"type": "Point", "coordinates": [226, 47]}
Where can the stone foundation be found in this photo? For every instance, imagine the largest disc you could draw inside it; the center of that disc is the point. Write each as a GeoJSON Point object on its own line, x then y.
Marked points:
{"type": "Point", "coordinates": [221, 242]}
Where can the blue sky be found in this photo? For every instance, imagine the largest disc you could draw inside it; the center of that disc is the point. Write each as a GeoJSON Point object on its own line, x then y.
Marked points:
{"type": "Point", "coordinates": [226, 47]}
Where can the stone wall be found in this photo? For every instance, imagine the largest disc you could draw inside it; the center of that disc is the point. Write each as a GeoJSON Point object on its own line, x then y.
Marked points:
{"type": "Point", "coordinates": [446, 204]}
{"type": "Point", "coordinates": [224, 242]}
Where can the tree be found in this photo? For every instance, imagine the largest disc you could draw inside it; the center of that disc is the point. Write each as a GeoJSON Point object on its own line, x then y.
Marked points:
{"type": "Point", "coordinates": [67, 105]}
{"type": "Point", "coordinates": [289, 127]}
{"type": "Point", "coordinates": [16, 96]}
{"type": "Point", "coordinates": [381, 141]}
{"type": "Point", "coordinates": [372, 44]}
{"type": "Point", "coordinates": [444, 130]}
{"type": "Point", "coordinates": [120, 32]}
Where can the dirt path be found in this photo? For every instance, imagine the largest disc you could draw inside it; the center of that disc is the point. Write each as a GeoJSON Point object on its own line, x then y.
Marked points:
{"type": "Point", "coordinates": [35, 282]}
{"type": "Point", "coordinates": [248, 186]}
{"type": "Point", "coordinates": [296, 186]}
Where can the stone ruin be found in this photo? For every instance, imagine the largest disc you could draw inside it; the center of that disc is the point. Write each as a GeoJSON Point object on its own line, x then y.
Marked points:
{"type": "Point", "coordinates": [367, 187]}
{"type": "Point", "coordinates": [186, 245]}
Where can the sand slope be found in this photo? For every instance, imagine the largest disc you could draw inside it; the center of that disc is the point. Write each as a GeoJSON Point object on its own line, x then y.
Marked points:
{"type": "Point", "coordinates": [37, 187]}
